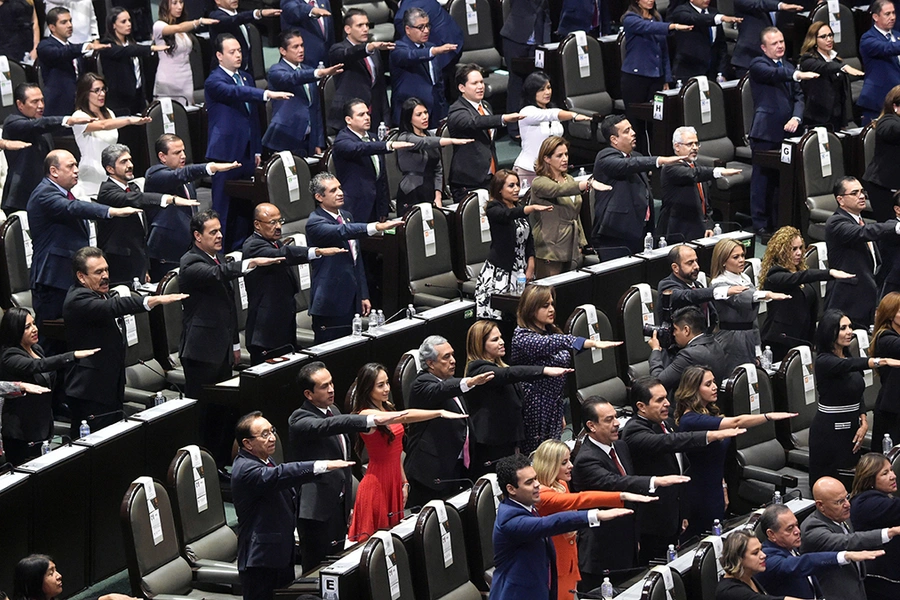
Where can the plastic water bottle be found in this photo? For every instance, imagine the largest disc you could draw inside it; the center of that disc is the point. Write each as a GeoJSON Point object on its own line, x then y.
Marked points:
{"type": "Point", "coordinates": [410, 311]}
{"type": "Point", "coordinates": [582, 172]}
{"type": "Point", "coordinates": [158, 399]}
{"type": "Point", "coordinates": [767, 359]}
{"type": "Point", "coordinates": [380, 317]}
{"type": "Point", "coordinates": [887, 443]}
{"type": "Point", "coordinates": [136, 284]}
{"type": "Point", "coordinates": [520, 282]}
{"type": "Point", "coordinates": [776, 498]}
{"type": "Point", "coordinates": [373, 320]}
{"type": "Point", "coordinates": [382, 131]}
{"type": "Point", "coordinates": [606, 590]}
{"type": "Point", "coordinates": [648, 242]}
{"type": "Point", "coordinates": [717, 230]}
{"type": "Point", "coordinates": [321, 65]}
{"type": "Point", "coordinates": [717, 527]}
{"type": "Point", "coordinates": [45, 447]}
{"type": "Point", "coordinates": [84, 430]}
{"type": "Point", "coordinates": [678, 85]}
{"type": "Point", "coordinates": [357, 325]}
{"type": "Point", "coordinates": [720, 78]}
{"type": "Point", "coordinates": [671, 554]}
{"type": "Point", "coordinates": [662, 242]}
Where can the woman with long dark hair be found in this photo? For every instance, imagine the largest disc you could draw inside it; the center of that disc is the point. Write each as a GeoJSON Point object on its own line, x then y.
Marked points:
{"type": "Point", "coordinates": [886, 342]}
{"type": "Point", "coordinates": [882, 176]}
{"type": "Point", "coordinates": [382, 492]}
{"type": "Point", "coordinates": [828, 99]}
{"type": "Point", "coordinates": [874, 505]}
{"type": "Point", "coordinates": [124, 62]}
{"type": "Point", "coordinates": [36, 578]}
{"type": "Point", "coordinates": [174, 78]}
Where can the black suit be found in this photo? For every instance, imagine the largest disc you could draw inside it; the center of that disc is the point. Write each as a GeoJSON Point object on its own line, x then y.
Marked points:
{"type": "Point", "coordinates": [887, 407]}
{"type": "Point", "coordinates": [653, 453]}
{"type": "Point", "coordinates": [471, 165]}
{"type": "Point", "coordinates": [26, 166]}
{"type": "Point", "coordinates": [124, 240]}
{"type": "Point", "coordinates": [882, 176]}
{"type": "Point", "coordinates": [126, 94]}
{"type": "Point", "coordinates": [702, 350]}
{"type": "Point", "coordinates": [356, 82]}
{"type": "Point", "coordinates": [96, 384]}
{"type": "Point", "coordinates": [796, 317]}
{"type": "Point", "coordinates": [695, 52]}
{"type": "Point", "coordinates": [169, 229]}
{"type": "Point", "coordinates": [684, 215]}
{"type": "Point", "coordinates": [620, 214]}
{"type": "Point", "coordinates": [828, 97]}
{"type": "Point", "coordinates": [324, 502]}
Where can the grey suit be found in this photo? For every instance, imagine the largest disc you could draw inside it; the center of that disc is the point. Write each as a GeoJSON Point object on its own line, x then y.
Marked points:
{"type": "Point", "coordinates": [702, 350]}
{"type": "Point", "coordinates": [821, 534]}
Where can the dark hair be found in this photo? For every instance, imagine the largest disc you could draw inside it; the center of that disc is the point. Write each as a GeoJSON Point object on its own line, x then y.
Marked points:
{"type": "Point", "coordinates": [166, 17]}
{"type": "Point", "coordinates": [687, 395]}
{"type": "Point", "coordinates": [640, 390]}
{"type": "Point", "coordinates": [674, 255]}
{"type": "Point", "coordinates": [221, 38]}
{"type": "Point", "coordinates": [533, 298]}
{"type": "Point", "coordinates": [305, 376]}
{"type": "Point", "coordinates": [353, 12]}
{"type": "Point", "coordinates": [609, 126]}
{"type": "Point", "coordinates": [690, 316]}
{"type": "Point", "coordinates": [21, 90]}
{"type": "Point", "coordinates": [406, 113]}
{"type": "Point", "coordinates": [532, 85]}
{"type": "Point", "coordinates": [12, 327]}
{"type": "Point", "coordinates": [463, 70]}
{"type": "Point", "coordinates": [867, 472]}
{"type": "Point", "coordinates": [28, 581]}
{"type": "Point", "coordinates": [828, 329]}
{"type": "Point", "coordinates": [348, 106]}
{"type": "Point", "coordinates": [891, 99]}
{"type": "Point", "coordinates": [877, 6]}
{"type": "Point", "coordinates": [83, 94]}
{"type": "Point", "coordinates": [285, 37]}
{"type": "Point", "coordinates": [79, 261]}
{"type": "Point", "coordinates": [838, 188]}
{"type": "Point", "coordinates": [163, 141]}
{"type": "Point", "coordinates": [635, 7]}
{"type": "Point", "coordinates": [769, 518]}
{"type": "Point", "coordinates": [111, 19]}
{"type": "Point", "coordinates": [733, 550]}
{"type": "Point", "coordinates": [411, 14]}
{"type": "Point", "coordinates": [317, 184]}
{"type": "Point", "coordinates": [361, 400]}
{"type": "Point", "coordinates": [110, 155]}
{"type": "Point", "coordinates": [242, 429]}
{"type": "Point", "coordinates": [497, 183]}
{"type": "Point", "coordinates": [589, 409]}
{"type": "Point", "coordinates": [51, 160]}
{"type": "Point", "coordinates": [508, 469]}
{"type": "Point", "coordinates": [198, 221]}
{"type": "Point", "coordinates": [53, 14]}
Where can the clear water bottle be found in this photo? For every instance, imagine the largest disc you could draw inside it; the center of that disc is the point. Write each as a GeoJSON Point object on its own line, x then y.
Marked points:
{"type": "Point", "coordinates": [380, 317]}
{"type": "Point", "coordinates": [321, 65]}
{"type": "Point", "coordinates": [357, 325]}
{"type": "Point", "coordinates": [373, 320]}
{"type": "Point", "coordinates": [45, 447]}
{"type": "Point", "coordinates": [159, 398]}
{"type": "Point", "coordinates": [720, 78]}
{"type": "Point", "coordinates": [767, 358]}
{"type": "Point", "coordinates": [717, 230]}
{"type": "Point", "coordinates": [717, 527]}
{"type": "Point", "coordinates": [662, 242]}
{"type": "Point", "coordinates": [648, 242]}
{"type": "Point", "coordinates": [678, 85]}
{"type": "Point", "coordinates": [382, 131]}
{"type": "Point", "coordinates": [84, 430]}
{"type": "Point", "coordinates": [136, 284]}
{"type": "Point", "coordinates": [606, 590]}
{"type": "Point", "coordinates": [776, 498]}
{"type": "Point", "coordinates": [410, 311]}
{"type": "Point", "coordinates": [887, 443]}
{"type": "Point", "coordinates": [582, 172]}
{"type": "Point", "coordinates": [671, 554]}
{"type": "Point", "coordinates": [520, 283]}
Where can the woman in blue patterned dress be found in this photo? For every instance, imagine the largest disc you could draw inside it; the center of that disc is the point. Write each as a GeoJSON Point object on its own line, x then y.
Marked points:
{"type": "Point", "coordinates": [538, 341]}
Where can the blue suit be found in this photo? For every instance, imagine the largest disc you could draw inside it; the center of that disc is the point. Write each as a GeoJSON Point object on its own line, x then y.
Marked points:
{"type": "Point", "coordinates": [880, 58]}
{"type": "Point", "coordinates": [58, 71]}
{"type": "Point", "coordinates": [524, 558]}
{"type": "Point", "coordinates": [365, 195]}
{"type": "Point", "coordinates": [757, 16]}
{"type": "Point", "coordinates": [444, 29]}
{"type": "Point", "coordinates": [232, 24]}
{"type": "Point", "coordinates": [788, 575]}
{"type": "Point", "coordinates": [411, 78]}
{"type": "Point", "coordinates": [296, 124]}
{"type": "Point", "coordinates": [577, 15]}
{"type": "Point", "coordinates": [233, 135]}
{"type": "Point", "coordinates": [295, 15]}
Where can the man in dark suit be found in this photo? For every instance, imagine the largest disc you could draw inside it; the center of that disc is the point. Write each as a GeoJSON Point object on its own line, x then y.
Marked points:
{"type": "Point", "coordinates": [234, 23]}
{"type": "Point", "coordinates": [59, 228]}
{"type": "Point", "coordinates": [28, 124]}
{"type": "Point", "coordinates": [700, 51]}
{"type": "Point", "coordinates": [523, 552]}
{"type": "Point", "coordinates": [358, 161]}
{"type": "Point", "coordinates": [604, 464]}
{"type": "Point", "coordinates": [169, 231]}
{"type": "Point", "coordinates": [686, 211]}
{"type": "Point", "coordinates": [852, 248]}
{"type": "Point", "coordinates": [62, 62]}
{"type": "Point", "coordinates": [623, 214]}
{"type": "Point", "coordinates": [264, 502]}
{"type": "Point", "coordinates": [209, 338]}
{"type": "Point", "coordinates": [471, 117]}
{"type": "Point", "coordinates": [879, 49]}
{"type": "Point", "coordinates": [526, 27]}
{"type": "Point", "coordinates": [415, 68]}
{"type": "Point", "coordinates": [339, 288]}
{"type": "Point", "coordinates": [271, 310]}
{"type": "Point", "coordinates": [829, 529]}
{"type": "Point", "coordinates": [575, 15]}
{"type": "Point", "coordinates": [755, 15]}
{"type": "Point", "coordinates": [694, 347]}
{"type": "Point", "coordinates": [296, 125]}
{"type": "Point", "coordinates": [778, 104]}
{"type": "Point", "coordinates": [232, 102]}
{"type": "Point", "coordinates": [313, 18]}
{"type": "Point", "coordinates": [438, 449]}
{"type": "Point", "coordinates": [890, 254]}
{"type": "Point", "coordinates": [124, 240]}
{"type": "Point", "coordinates": [319, 432]}
{"type": "Point", "coordinates": [363, 75]}
{"type": "Point", "coordinates": [789, 573]}
{"type": "Point", "coordinates": [95, 385]}
{"type": "Point", "coordinates": [444, 29]}
{"type": "Point", "coordinates": [656, 448]}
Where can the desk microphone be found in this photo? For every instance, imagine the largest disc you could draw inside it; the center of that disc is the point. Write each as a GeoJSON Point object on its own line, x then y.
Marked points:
{"type": "Point", "coordinates": [177, 387]}
{"type": "Point", "coordinates": [106, 414]}
{"type": "Point", "coordinates": [440, 481]}
{"type": "Point", "coordinates": [446, 287]}
{"type": "Point", "coordinates": [800, 341]}
{"type": "Point", "coordinates": [66, 440]}
{"type": "Point", "coordinates": [402, 311]}
{"type": "Point", "coordinates": [411, 510]}
{"type": "Point", "coordinates": [587, 595]}
{"type": "Point", "coordinates": [607, 249]}
{"type": "Point", "coordinates": [279, 351]}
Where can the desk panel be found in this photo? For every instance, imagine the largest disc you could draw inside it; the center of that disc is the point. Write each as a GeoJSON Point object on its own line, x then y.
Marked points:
{"type": "Point", "coordinates": [167, 428]}
{"type": "Point", "coordinates": [611, 279]}
{"type": "Point", "coordinates": [15, 496]}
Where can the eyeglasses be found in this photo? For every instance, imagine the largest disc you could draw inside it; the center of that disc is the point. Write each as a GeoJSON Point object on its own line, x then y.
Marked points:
{"type": "Point", "coordinates": [102, 90]}
{"type": "Point", "coordinates": [825, 36]}
{"type": "Point", "coordinates": [860, 193]}
{"type": "Point", "coordinates": [264, 435]}
{"type": "Point", "coordinates": [273, 222]}
{"type": "Point", "coordinates": [422, 27]}
{"type": "Point", "coordinates": [841, 501]}
{"type": "Point", "coordinates": [689, 144]}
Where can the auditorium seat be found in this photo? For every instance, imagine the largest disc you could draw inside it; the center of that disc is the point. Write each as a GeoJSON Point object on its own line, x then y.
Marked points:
{"type": "Point", "coordinates": [705, 572]}
{"type": "Point", "coordinates": [404, 376]}
{"type": "Point", "coordinates": [479, 517]}
{"type": "Point", "coordinates": [15, 269]}
{"type": "Point", "coordinates": [586, 95]}
{"type": "Point", "coordinates": [257, 60]}
{"type": "Point", "coordinates": [634, 353]}
{"type": "Point", "coordinates": [431, 579]}
{"type": "Point", "coordinates": [655, 587]}
{"type": "Point", "coordinates": [326, 96]}
{"type": "Point", "coordinates": [198, 72]}
{"type": "Point", "coordinates": [295, 211]}
{"type": "Point", "coordinates": [446, 152]}
{"type": "Point", "coordinates": [817, 258]}
{"type": "Point", "coordinates": [178, 125]}
{"type": "Point", "coordinates": [16, 76]}
{"type": "Point", "coordinates": [172, 322]}
{"type": "Point", "coordinates": [478, 47]}
{"type": "Point", "coordinates": [894, 457]}
{"type": "Point", "coordinates": [790, 396]}
{"type": "Point", "coordinates": [240, 303]}
{"type": "Point", "coordinates": [848, 45]}
{"type": "Point", "coordinates": [373, 569]}
{"type": "Point", "coordinates": [742, 149]}
{"type": "Point", "coordinates": [305, 334]}
{"type": "Point", "coordinates": [431, 279]}
{"type": "Point", "coordinates": [472, 242]}
{"type": "Point", "coordinates": [393, 173]}
{"type": "Point", "coordinates": [873, 385]}
{"type": "Point", "coordinates": [816, 188]}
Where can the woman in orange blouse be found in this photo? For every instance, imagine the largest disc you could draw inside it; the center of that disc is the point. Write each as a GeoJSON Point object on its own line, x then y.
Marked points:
{"type": "Point", "coordinates": [552, 464]}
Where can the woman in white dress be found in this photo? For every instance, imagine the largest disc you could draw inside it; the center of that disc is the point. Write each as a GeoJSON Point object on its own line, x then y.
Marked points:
{"type": "Point", "coordinates": [90, 101]}
{"type": "Point", "coordinates": [174, 78]}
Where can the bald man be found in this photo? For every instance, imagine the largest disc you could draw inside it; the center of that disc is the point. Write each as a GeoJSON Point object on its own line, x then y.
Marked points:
{"type": "Point", "coordinates": [271, 309]}
{"type": "Point", "coordinates": [828, 529]}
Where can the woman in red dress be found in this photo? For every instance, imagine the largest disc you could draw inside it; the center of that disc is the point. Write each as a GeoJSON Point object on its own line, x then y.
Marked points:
{"type": "Point", "coordinates": [382, 492]}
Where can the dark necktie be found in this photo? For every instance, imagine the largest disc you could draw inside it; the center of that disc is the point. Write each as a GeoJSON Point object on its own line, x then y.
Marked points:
{"type": "Point", "coordinates": [328, 413]}
{"type": "Point", "coordinates": [662, 425]}
{"type": "Point", "coordinates": [70, 195]}
{"type": "Point", "coordinates": [615, 459]}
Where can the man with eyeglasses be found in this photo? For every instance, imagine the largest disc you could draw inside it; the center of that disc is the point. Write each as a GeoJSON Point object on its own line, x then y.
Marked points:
{"type": "Point", "coordinates": [828, 529]}
{"type": "Point", "coordinates": [852, 248]}
{"type": "Point", "coordinates": [271, 311]}
{"type": "Point", "coordinates": [879, 49]}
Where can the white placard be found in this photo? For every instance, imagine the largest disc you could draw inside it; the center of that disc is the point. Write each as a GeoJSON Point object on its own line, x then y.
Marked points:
{"type": "Point", "coordinates": [495, 487]}
{"type": "Point", "coordinates": [26, 237]}
{"type": "Point", "coordinates": [484, 224]}
{"type": "Point", "coordinates": [199, 481]}
{"type": "Point", "coordinates": [152, 508]}
{"type": "Point", "coordinates": [668, 581]}
{"type": "Point", "coordinates": [824, 152]}
{"type": "Point", "coordinates": [471, 18]}
{"type": "Point", "coordinates": [539, 58]}
{"type": "Point", "coordinates": [131, 334]}
{"type": "Point", "coordinates": [756, 265]}
{"type": "Point", "coordinates": [168, 115]}
{"type": "Point", "coordinates": [822, 247]}
{"type": "Point", "coordinates": [716, 542]}
{"type": "Point", "coordinates": [786, 153]}
{"type": "Point", "coordinates": [290, 174]}
{"type": "Point", "coordinates": [242, 288]}
{"type": "Point", "coordinates": [752, 386]}
{"type": "Point", "coordinates": [428, 228]}
{"type": "Point", "coordinates": [92, 233]}
{"type": "Point", "coordinates": [584, 58]}
{"type": "Point", "coordinates": [303, 269]}
{"type": "Point", "coordinates": [590, 312]}
{"type": "Point", "coordinates": [647, 316]}
{"type": "Point", "coordinates": [446, 546]}
{"type": "Point", "coordinates": [701, 279]}
{"type": "Point", "coordinates": [390, 560]}
{"type": "Point", "coordinates": [705, 105]}
{"type": "Point", "coordinates": [658, 100]}
{"type": "Point", "coordinates": [834, 19]}
{"type": "Point", "coordinates": [6, 88]}
{"type": "Point", "coordinates": [809, 377]}
{"type": "Point", "coordinates": [862, 337]}
{"type": "Point", "coordinates": [330, 587]}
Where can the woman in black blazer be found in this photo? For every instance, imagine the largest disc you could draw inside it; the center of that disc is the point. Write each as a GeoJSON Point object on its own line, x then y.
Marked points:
{"type": "Point", "coordinates": [512, 246]}
{"type": "Point", "coordinates": [742, 560]}
{"type": "Point", "coordinates": [121, 63]}
{"type": "Point", "coordinates": [495, 408]}
{"type": "Point", "coordinates": [28, 418]}
{"type": "Point", "coordinates": [886, 342]}
{"type": "Point", "coordinates": [784, 270]}
{"type": "Point", "coordinates": [882, 175]}
{"type": "Point", "coordinates": [828, 100]}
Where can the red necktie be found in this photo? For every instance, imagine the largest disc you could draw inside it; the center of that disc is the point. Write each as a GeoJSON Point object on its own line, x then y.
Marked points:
{"type": "Point", "coordinates": [319, 20]}
{"type": "Point", "coordinates": [368, 62]}
{"type": "Point", "coordinates": [70, 195]}
{"type": "Point", "coordinates": [662, 425]}
{"type": "Point", "coordinates": [352, 243]}
{"type": "Point", "coordinates": [216, 258]}
{"type": "Point", "coordinates": [612, 455]}
{"type": "Point", "coordinates": [702, 196]}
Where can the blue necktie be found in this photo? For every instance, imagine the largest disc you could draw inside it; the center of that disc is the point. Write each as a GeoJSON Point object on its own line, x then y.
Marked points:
{"type": "Point", "coordinates": [779, 64]}
{"type": "Point", "coordinates": [238, 82]}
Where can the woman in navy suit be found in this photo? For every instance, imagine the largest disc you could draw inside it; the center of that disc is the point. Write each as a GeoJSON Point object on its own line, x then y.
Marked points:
{"type": "Point", "coordinates": [874, 505]}
{"type": "Point", "coordinates": [645, 68]}
{"type": "Point", "coordinates": [122, 62]}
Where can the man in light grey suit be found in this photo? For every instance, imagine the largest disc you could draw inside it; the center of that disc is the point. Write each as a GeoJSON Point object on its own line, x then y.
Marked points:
{"type": "Point", "coordinates": [828, 529]}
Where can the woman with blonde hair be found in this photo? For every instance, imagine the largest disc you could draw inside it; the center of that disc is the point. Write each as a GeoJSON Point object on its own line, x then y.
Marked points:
{"type": "Point", "coordinates": [742, 559]}
{"type": "Point", "coordinates": [784, 270]}
{"type": "Point", "coordinates": [538, 341]}
{"type": "Point", "coordinates": [738, 330]}
{"type": "Point", "coordinates": [886, 343]}
{"type": "Point", "coordinates": [874, 505]}
{"type": "Point", "coordinates": [553, 467]}
{"type": "Point", "coordinates": [882, 176]}
{"type": "Point", "coordinates": [495, 407]}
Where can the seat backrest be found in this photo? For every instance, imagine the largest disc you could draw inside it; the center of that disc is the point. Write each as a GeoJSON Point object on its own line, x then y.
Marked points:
{"type": "Point", "coordinates": [200, 518]}
{"type": "Point", "coordinates": [894, 457]}
{"type": "Point", "coordinates": [173, 312]}
{"type": "Point", "coordinates": [481, 512]}
{"type": "Point", "coordinates": [16, 76]}
{"type": "Point", "coordinates": [154, 566]}
{"type": "Point", "coordinates": [378, 11]}
{"type": "Point", "coordinates": [176, 122]}
{"type": "Point", "coordinates": [816, 183]}
{"type": "Point", "coordinates": [328, 85]}
{"type": "Point", "coordinates": [634, 351]}
{"type": "Point", "coordinates": [239, 287]}
{"type": "Point", "coordinates": [475, 241]}
{"type": "Point", "coordinates": [596, 371]}
{"type": "Point", "coordinates": [436, 269]}
{"type": "Point", "coordinates": [747, 108]}
{"type": "Point", "coordinates": [404, 376]}
{"type": "Point", "coordinates": [846, 46]}
{"type": "Point", "coordinates": [198, 73]}
{"type": "Point", "coordinates": [300, 206]}
{"type": "Point", "coordinates": [758, 446]}
{"type": "Point", "coordinates": [393, 174]}
{"type": "Point", "coordinates": [582, 88]}
{"type": "Point", "coordinates": [478, 34]}
{"type": "Point", "coordinates": [433, 579]}
{"type": "Point", "coordinates": [15, 285]}
{"type": "Point", "coordinates": [373, 567]}
{"type": "Point", "coordinates": [867, 135]}
{"type": "Point", "coordinates": [655, 588]}
{"type": "Point", "coordinates": [257, 61]}
{"type": "Point", "coordinates": [713, 134]}
{"type": "Point", "coordinates": [814, 252]}
{"type": "Point", "coordinates": [705, 572]}
{"type": "Point", "coordinates": [795, 379]}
